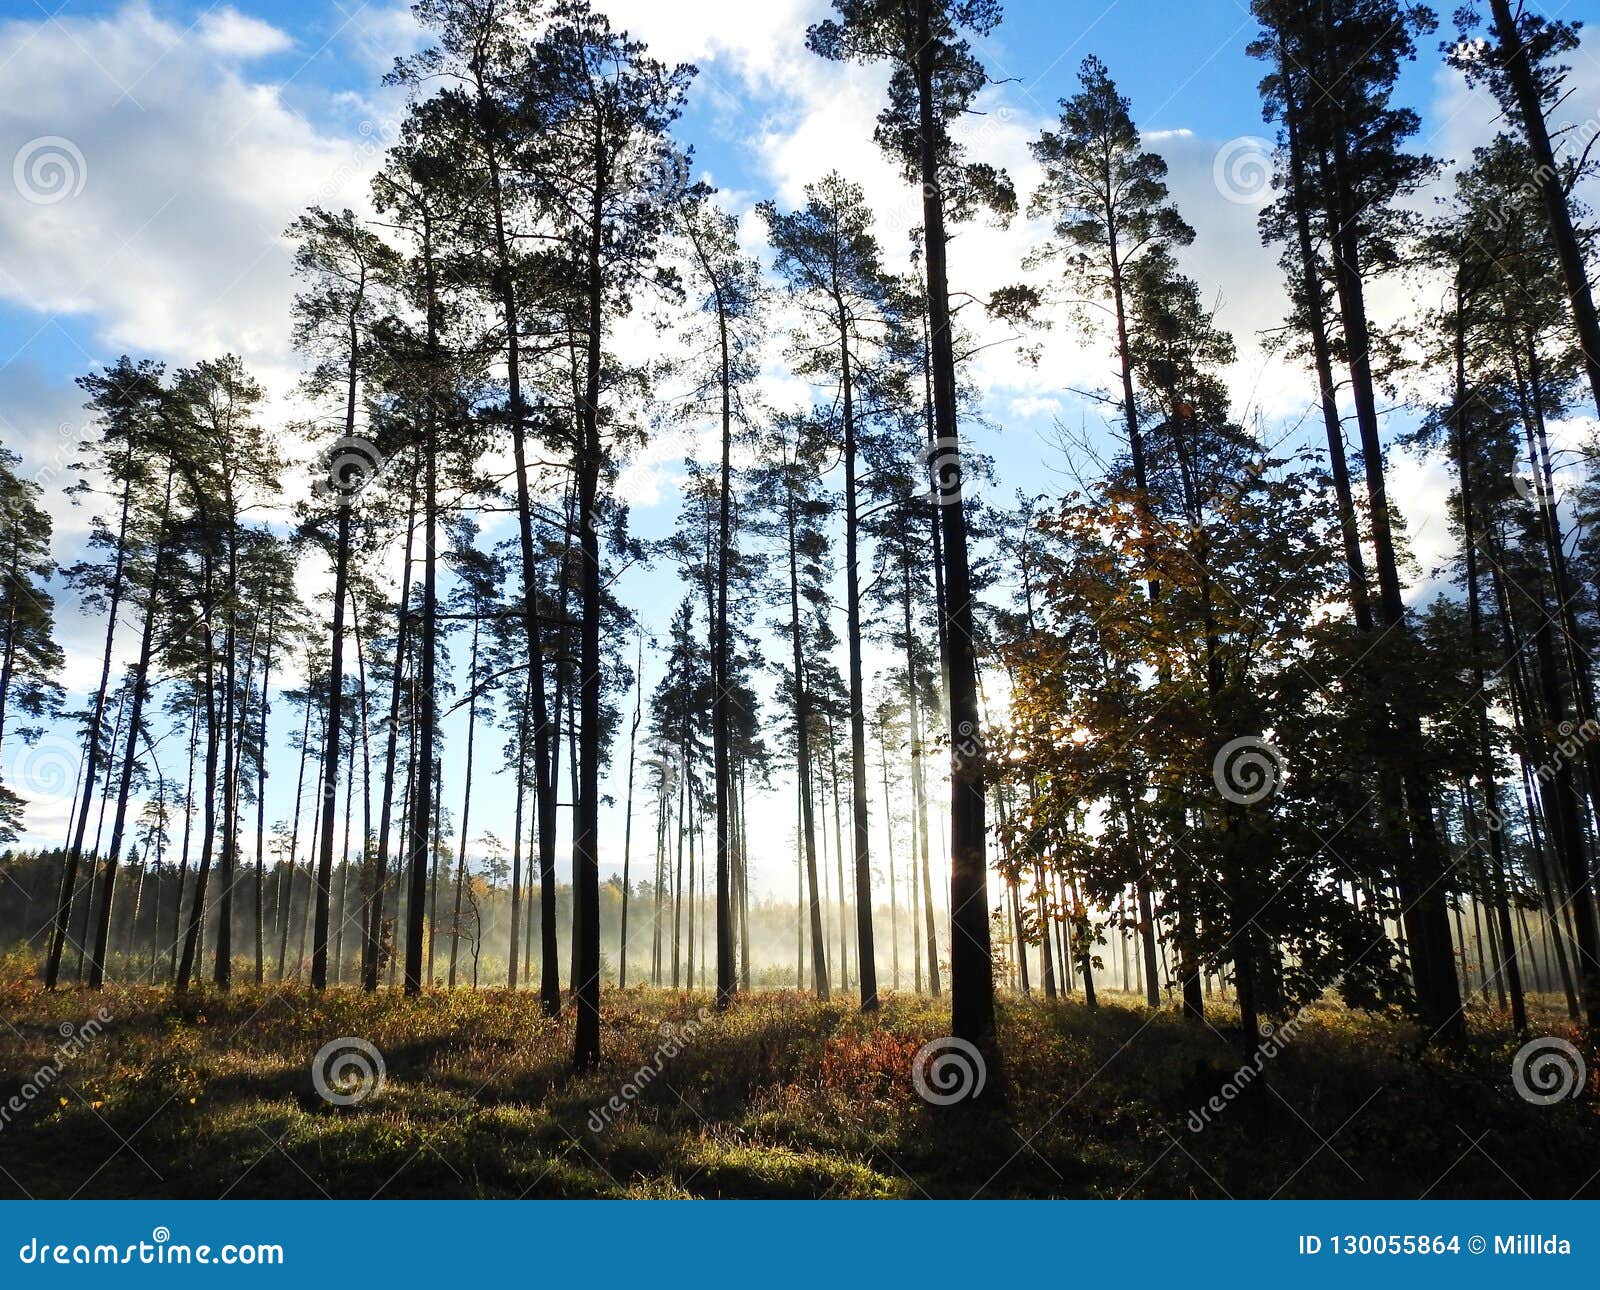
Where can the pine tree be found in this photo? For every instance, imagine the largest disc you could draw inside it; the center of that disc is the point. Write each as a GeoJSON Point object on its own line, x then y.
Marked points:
{"type": "Point", "coordinates": [830, 259]}
{"type": "Point", "coordinates": [599, 163]}
{"type": "Point", "coordinates": [30, 658]}
{"type": "Point", "coordinates": [732, 297]}
{"type": "Point", "coordinates": [934, 77]}
{"type": "Point", "coordinates": [1357, 141]}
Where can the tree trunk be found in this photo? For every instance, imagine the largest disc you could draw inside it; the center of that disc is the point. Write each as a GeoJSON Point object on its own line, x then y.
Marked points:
{"type": "Point", "coordinates": [466, 804]}
{"type": "Point", "coordinates": [197, 902]}
{"type": "Point", "coordinates": [91, 755]}
{"type": "Point", "coordinates": [261, 803]}
{"type": "Point", "coordinates": [971, 969]}
{"type": "Point", "coordinates": [1486, 777]}
{"type": "Point", "coordinates": [1321, 351]}
{"type": "Point", "coordinates": [721, 681]}
{"type": "Point", "coordinates": [1420, 876]}
{"type": "Point", "coordinates": [586, 832]}
{"type": "Point", "coordinates": [627, 828]}
{"type": "Point", "coordinates": [866, 965]}
{"type": "Point", "coordinates": [802, 741]}
{"type": "Point", "coordinates": [141, 689]}
{"type": "Point", "coordinates": [330, 758]}
{"type": "Point", "coordinates": [1547, 179]}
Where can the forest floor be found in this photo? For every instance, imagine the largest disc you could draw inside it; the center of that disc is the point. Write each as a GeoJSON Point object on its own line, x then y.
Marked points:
{"type": "Point", "coordinates": [780, 1097]}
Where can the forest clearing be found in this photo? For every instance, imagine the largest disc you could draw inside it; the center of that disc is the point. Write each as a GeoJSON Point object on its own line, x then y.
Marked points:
{"type": "Point", "coordinates": [780, 1097]}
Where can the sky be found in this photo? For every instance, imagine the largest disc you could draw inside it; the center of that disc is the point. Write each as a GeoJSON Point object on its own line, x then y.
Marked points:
{"type": "Point", "coordinates": [158, 150]}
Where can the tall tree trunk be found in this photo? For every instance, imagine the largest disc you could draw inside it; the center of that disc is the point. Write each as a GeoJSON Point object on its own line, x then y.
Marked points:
{"type": "Point", "coordinates": [743, 857]}
{"type": "Point", "coordinates": [261, 801]}
{"type": "Point", "coordinates": [1567, 832]}
{"type": "Point", "coordinates": [677, 876]}
{"type": "Point", "coordinates": [971, 969]}
{"type": "Point", "coordinates": [466, 804]}
{"type": "Point", "coordinates": [188, 820]}
{"type": "Point", "coordinates": [426, 706]}
{"type": "Point", "coordinates": [1047, 966]}
{"type": "Point", "coordinates": [197, 902]}
{"type": "Point", "coordinates": [802, 743]}
{"type": "Point", "coordinates": [657, 895]}
{"type": "Point", "coordinates": [321, 887]}
{"type": "Point", "coordinates": [867, 970]}
{"type": "Point", "coordinates": [1508, 967]}
{"type": "Point", "coordinates": [372, 950]}
{"type": "Point", "coordinates": [586, 833]}
{"type": "Point", "coordinates": [888, 853]}
{"type": "Point", "coordinates": [1547, 179]}
{"type": "Point", "coordinates": [286, 903]}
{"type": "Point", "coordinates": [838, 857]}
{"type": "Point", "coordinates": [1421, 875]}
{"type": "Point", "coordinates": [544, 775]}
{"type": "Point", "coordinates": [91, 754]}
{"type": "Point", "coordinates": [1322, 358]}
{"type": "Point", "coordinates": [344, 862]}
{"type": "Point", "coordinates": [435, 850]}
{"type": "Point", "coordinates": [627, 828]}
{"type": "Point", "coordinates": [222, 969]}
{"type": "Point", "coordinates": [141, 689]}
{"type": "Point", "coordinates": [721, 680]}
{"type": "Point", "coordinates": [514, 942]}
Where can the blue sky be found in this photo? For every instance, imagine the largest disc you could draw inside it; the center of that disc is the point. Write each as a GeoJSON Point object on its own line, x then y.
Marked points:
{"type": "Point", "coordinates": [193, 135]}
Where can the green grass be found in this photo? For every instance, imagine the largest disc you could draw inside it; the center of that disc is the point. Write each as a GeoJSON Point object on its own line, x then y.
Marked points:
{"type": "Point", "coordinates": [781, 1097]}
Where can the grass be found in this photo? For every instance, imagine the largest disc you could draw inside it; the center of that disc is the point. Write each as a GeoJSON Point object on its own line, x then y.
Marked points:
{"type": "Point", "coordinates": [780, 1097]}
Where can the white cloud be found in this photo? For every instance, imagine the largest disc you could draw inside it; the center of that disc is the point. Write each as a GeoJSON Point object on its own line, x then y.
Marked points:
{"type": "Point", "coordinates": [1034, 405]}
{"type": "Point", "coordinates": [378, 35]}
{"type": "Point", "coordinates": [762, 44]}
{"type": "Point", "coordinates": [231, 33]}
{"type": "Point", "coordinates": [187, 176]}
